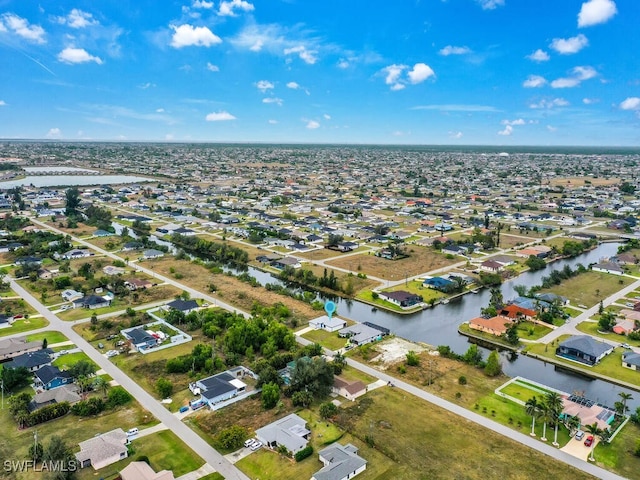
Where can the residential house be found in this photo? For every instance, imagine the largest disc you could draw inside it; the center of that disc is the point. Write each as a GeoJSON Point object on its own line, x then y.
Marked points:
{"type": "Point", "coordinates": [113, 270]}
{"type": "Point", "coordinates": [286, 262]}
{"type": "Point", "coordinates": [552, 297]}
{"type": "Point", "coordinates": [504, 260]}
{"type": "Point", "coordinates": [584, 349]}
{"type": "Point", "coordinates": [6, 321]}
{"type": "Point", "coordinates": [497, 325]}
{"type": "Point", "coordinates": [76, 253]}
{"type": "Point", "coordinates": [401, 298]}
{"type": "Point", "coordinates": [92, 302]}
{"type": "Point", "coordinates": [133, 245]}
{"type": "Point", "coordinates": [46, 274]}
{"type": "Point", "coordinates": [439, 283]}
{"type": "Point", "coordinates": [102, 233]}
{"type": "Point", "coordinates": [71, 295]}
{"type": "Point", "coordinates": [348, 390]}
{"type": "Point", "coordinates": [49, 377]}
{"type": "Point", "coordinates": [631, 360]}
{"type": "Point", "coordinates": [137, 284]}
{"type": "Point", "coordinates": [290, 432]}
{"type": "Point", "coordinates": [453, 249]}
{"type": "Point", "coordinates": [151, 254]}
{"type": "Point", "coordinates": [12, 347]}
{"type": "Point", "coordinates": [608, 267]}
{"type": "Point", "coordinates": [184, 306]}
{"type": "Point", "coordinates": [218, 388]}
{"type": "Point", "coordinates": [142, 471]}
{"type": "Point", "coordinates": [330, 324]}
{"type": "Point", "coordinates": [514, 311]}
{"type": "Point", "coordinates": [491, 266]}
{"type": "Point", "coordinates": [29, 261]}
{"type": "Point", "coordinates": [139, 338]}
{"type": "Point", "coordinates": [360, 334]}
{"type": "Point", "coordinates": [103, 450]}
{"type": "Point", "coordinates": [341, 462]}
{"type": "Point", "coordinates": [64, 393]}
{"type": "Point", "coordinates": [32, 361]}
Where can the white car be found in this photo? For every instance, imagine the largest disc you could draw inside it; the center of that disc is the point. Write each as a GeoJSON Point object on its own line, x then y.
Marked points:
{"type": "Point", "coordinates": [112, 353]}
{"type": "Point", "coordinates": [256, 446]}
{"type": "Point", "coordinates": [249, 443]}
{"type": "Point", "coordinates": [579, 435]}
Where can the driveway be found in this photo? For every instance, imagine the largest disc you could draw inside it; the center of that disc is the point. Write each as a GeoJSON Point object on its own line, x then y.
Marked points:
{"type": "Point", "coordinates": [577, 448]}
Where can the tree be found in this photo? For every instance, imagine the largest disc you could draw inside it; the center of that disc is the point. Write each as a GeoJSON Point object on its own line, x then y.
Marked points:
{"type": "Point", "coordinates": [15, 378]}
{"type": "Point", "coordinates": [72, 196]}
{"type": "Point", "coordinates": [101, 385]}
{"type": "Point", "coordinates": [58, 451]}
{"type": "Point", "coordinates": [84, 368]}
{"type": "Point", "coordinates": [496, 300]}
{"type": "Point", "coordinates": [553, 401]}
{"type": "Point", "coordinates": [45, 342]}
{"type": "Point", "coordinates": [231, 438]}
{"type": "Point", "coordinates": [493, 367]}
{"type": "Point", "coordinates": [314, 376]}
{"type": "Point", "coordinates": [472, 356]}
{"type": "Point", "coordinates": [624, 398]}
{"type": "Point", "coordinates": [511, 335]}
{"type": "Point", "coordinates": [596, 431]}
{"type": "Point", "coordinates": [328, 410]}
{"type": "Point", "coordinates": [270, 395]}
{"type": "Point", "coordinates": [164, 387]}
{"type": "Point", "coordinates": [607, 321]}
{"type": "Point", "coordinates": [412, 359]}
{"type": "Point", "coordinates": [533, 409]}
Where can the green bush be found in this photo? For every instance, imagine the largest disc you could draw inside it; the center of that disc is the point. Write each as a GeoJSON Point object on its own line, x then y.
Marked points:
{"type": "Point", "coordinates": [304, 453]}
{"type": "Point", "coordinates": [462, 380]}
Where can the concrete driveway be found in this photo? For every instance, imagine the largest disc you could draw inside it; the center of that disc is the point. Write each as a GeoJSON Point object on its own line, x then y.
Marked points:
{"type": "Point", "coordinates": [577, 448]}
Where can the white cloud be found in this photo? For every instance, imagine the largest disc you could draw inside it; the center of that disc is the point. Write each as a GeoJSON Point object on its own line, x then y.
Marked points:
{"type": "Point", "coordinates": [187, 35]}
{"type": "Point", "coordinates": [2, 103]}
{"type": "Point", "coordinates": [343, 63]}
{"type": "Point", "coordinates": [273, 122]}
{"type": "Point", "coordinates": [326, 116]}
{"type": "Point", "coordinates": [147, 85]}
{"type": "Point", "coordinates": [293, 85]}
{"type": "Point", "coordinates": [455, 135]}
{"type": "Point", "coordinates": [420, 72]}
{"type": "Point", "coordinates": [630, 103]}
{"type": "Point", "coordinates": [539, 56]}
{"type": "Point", "coordinates": [228, 8]}
{"type": "Point", "coordinates": [219, 116]}
{"type": "Point", "coordinates": [212, 68]}
{"type": "Point", "coordinates": [73, 55]}
{"type": "Point", "coordinates": [548, 104]}
{"type": "Point", "coordinates": [276, 100]}
{"type": "Point", "coordinates": [551, 128]}
{"type": "Point", "coordinates": [54, 133]}
{"type": "Point", "coordinates": [397, 86]}
{"type": "Point", "coordinates": [451, 50]}
{"type": "Point", "coordinates": [308, 56]}
{"type": "Point", "coordinates": [256, 47]}
{"type": "Point", "coordinates": [568, 46]}
{"type": "Point", "coordinates": [594, 12]}
{"type": "Point", "coordinates": [159, 110]}
{"type": "Point", "coordinates": [264, 85]}
{"type": "Point", "coordinates": [78, 19]}
{"type": "Point", "coordinates": [169, 136]}
{"type": "Point", "coordinates": [202, 4]}
{"type": "Point", "coordinates": [508, 130]}
{"type": "Point", "coordinates": [590, 101]}
{"type": "Point", "coordinates": [490, 4]}
{"type": "Point", "coordinates": [312, 125]}
{"type": "Point", "coordinates": [534, 81]}
{"type": "Point", "coordinates": [579, 74]}
{"type": "Point", "coordinates": [393, 73]}
{"type": "Point", "coordinates": [22, 28]}
{"type": "Point", "coordinates": [519, 121]}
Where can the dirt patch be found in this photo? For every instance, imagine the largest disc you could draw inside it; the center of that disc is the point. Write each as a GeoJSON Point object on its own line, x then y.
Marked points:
{"type": "Point", "coordinates": [393, 351]}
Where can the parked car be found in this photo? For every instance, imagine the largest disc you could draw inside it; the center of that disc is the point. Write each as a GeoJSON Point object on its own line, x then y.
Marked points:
{"type": "Point", "coordinates": [625, 345]}
{"type": "Point", "coordinates": [256, 445]}
{"type": "Point", "coordinates": [579, 435]}
{"type": "Point", "coordinates": [112, 353]}
{"type": "Point", "coordinates": [589, 441]}
{"type": "Point", "coordinates": [100, 346]}
{"type": "Point", "coordinates": [65, 307]}
{"type": "Point", "coordinates": [249, 443]}
{"type": "Point", "coordinates": [184, 409]}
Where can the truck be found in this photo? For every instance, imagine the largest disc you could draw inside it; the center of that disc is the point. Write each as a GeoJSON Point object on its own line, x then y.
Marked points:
{"type": "Point", "coordinates": [197, 403]}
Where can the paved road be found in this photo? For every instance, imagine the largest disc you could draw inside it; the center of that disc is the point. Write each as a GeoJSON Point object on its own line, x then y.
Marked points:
{"type": "Point", "coordinates": [202, 448]}
{"type": "Point", "coordinates": [480, 420]}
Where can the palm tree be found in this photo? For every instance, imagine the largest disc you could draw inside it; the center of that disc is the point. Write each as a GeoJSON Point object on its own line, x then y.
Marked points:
{"type": "Point", "coordinates": [572, 423]}
{"type": "Point", "coordinates": [533, 408]}
{"type": "Point", "coordinates": [624, 397]}
{"type": "Point", "coordinates": [547, 416]}
{"type": "Point", "coordinates": [101, 385]}
{"type": "Point", "coordinates": [553, 402]}
{"type": "Point", "coordinates": [596, 431]}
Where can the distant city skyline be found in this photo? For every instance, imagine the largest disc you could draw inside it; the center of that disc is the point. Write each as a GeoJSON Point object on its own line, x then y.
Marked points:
{"type": "Point", "coordinates": [423, 72]}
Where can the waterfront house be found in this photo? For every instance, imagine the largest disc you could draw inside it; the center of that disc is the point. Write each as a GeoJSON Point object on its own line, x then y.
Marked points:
{"type": "Point", "coordinates": [584, 349]}
{"type": "Point", "coordinates": [497, 325]}
{"type": "Point", "coordinates": [329, 324]}
{"type": "Point", "coordinates": [631, 360]}
{"type": "Point", "coordinates": [401, 298]}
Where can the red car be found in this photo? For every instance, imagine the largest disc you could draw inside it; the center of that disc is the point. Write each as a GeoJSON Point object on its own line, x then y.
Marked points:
{"type": "Point", "coordinates": [588, 441]}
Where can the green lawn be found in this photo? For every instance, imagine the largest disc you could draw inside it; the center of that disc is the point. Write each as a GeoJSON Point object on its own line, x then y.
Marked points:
{"type": "Point", "coordinates": [165, 452]}
{"type": "Point", "coordinates": [618, 455]}
{"type": "Point", "coordinates": [464, 328]}
{"type": "Point", "coordinates": [66, 361]}
{"type": "Point", "coordinates": [24, 325]}
{"type": "Point", "coordinates": [52, 337]}
{"type": "Point", "coordinates": [573, 313]}
{"type": "Point", "coordinates": [329, 340]}
{"type": "Point", "coordinates": [367, 296]}
{"type": "Point", "coordinates": [591, 328]}
{"type": "Point", "coordinates": [590, 287]}
{"type": "Point", "coordinates": [521, 391]}
{"type": "Point", "coordinates": [532, 331]}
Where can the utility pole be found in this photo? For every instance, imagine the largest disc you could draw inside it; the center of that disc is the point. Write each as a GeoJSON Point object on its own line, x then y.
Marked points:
{"type": "Point", "coordinates": [2, 388]}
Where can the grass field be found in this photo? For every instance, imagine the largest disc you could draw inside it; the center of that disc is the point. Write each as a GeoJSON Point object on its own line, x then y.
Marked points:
{"type": "Point", "coordinates": [329, 340]}
{"type": "Point", "coordinates": [24, 325]}
{"type": "Point", "coordinates": [64, 362]}
{"type": "Point", "coordinates": [532, 331]}
{"type": "Point", "coordinates": [420, 260]}
{"type": "Point", "coordinates": [52, 337]}
{"type": "Point", "coordinates": [590, 287]}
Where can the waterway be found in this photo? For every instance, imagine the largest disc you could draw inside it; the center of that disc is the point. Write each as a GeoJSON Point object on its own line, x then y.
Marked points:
{"type": "Point", "coordinates": [439, 326]}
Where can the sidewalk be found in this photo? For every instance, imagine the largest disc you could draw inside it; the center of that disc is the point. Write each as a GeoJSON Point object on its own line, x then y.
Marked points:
{"type": "Point", "coordinates": [206, 469]}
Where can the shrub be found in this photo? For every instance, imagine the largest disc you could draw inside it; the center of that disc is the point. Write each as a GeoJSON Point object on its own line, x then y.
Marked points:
{"type": "Point", "coordinates": [304, 453]}
{"type": "Point", "coordinates": [118, 396]}
{"type": "Point", "coordinates": [328, 410]}
{"type": "Point", "coordinates": [412, 359]}
{"type": "Point", "coordinates": [402, 369]}
{"type": "Point", "coordinates": [232, 438]}
{"type": "Point", "coordinates": [164, 387]}
{"type": "Point", "coordinates": [462, 380]}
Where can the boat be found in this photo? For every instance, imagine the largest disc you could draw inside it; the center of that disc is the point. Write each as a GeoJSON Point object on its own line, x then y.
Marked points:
{"type": "Point", "coordinates": [374, 309]}
{"type": "Point", "coordinates": [445, 301]}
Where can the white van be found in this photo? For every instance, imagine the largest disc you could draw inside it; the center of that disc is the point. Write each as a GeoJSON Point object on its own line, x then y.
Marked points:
{"type": "Point", "coordinates": [131, 432]}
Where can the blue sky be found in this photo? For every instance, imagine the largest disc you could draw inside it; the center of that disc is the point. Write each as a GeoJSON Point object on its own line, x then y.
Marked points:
{"type": "Point", "coordinates": [512, 72]}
